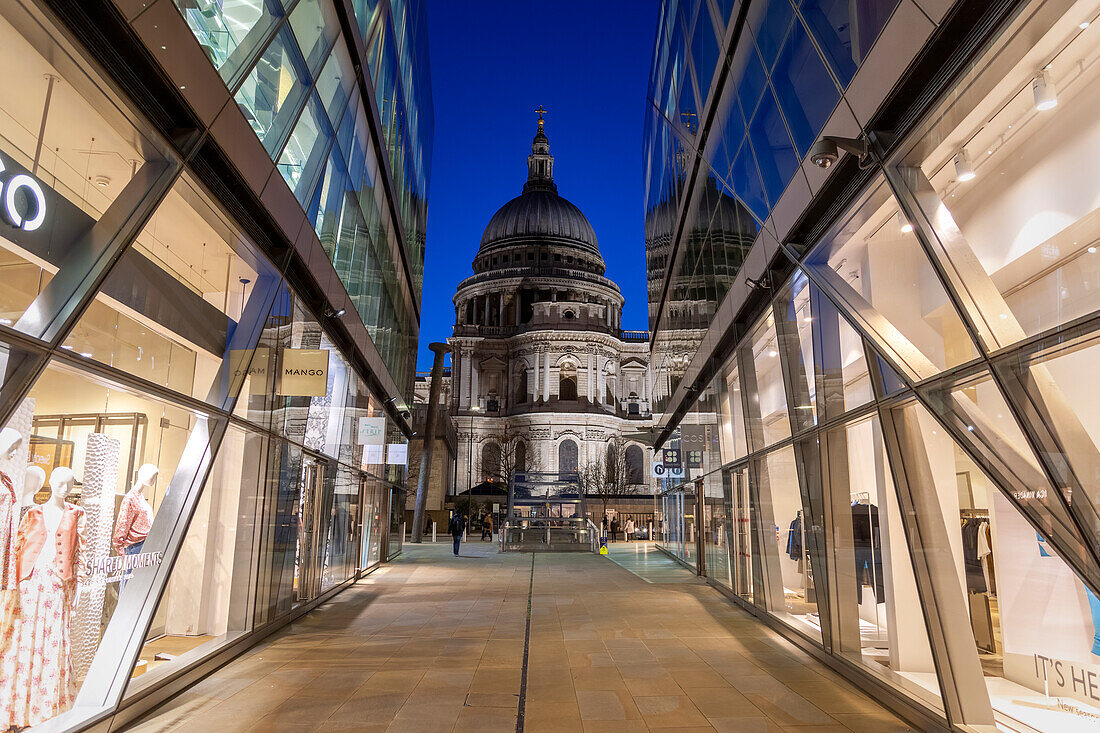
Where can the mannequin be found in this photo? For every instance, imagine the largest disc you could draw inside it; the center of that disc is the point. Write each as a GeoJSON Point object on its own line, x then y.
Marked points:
{"type": "Point", "coordinates": [10, 442]}
{"type": "Point", "coordinates": [33, 481]}
{"type": "Point", "coordinates": [36, 670]}
{"type": "Point", "coordinates": [135, 516]}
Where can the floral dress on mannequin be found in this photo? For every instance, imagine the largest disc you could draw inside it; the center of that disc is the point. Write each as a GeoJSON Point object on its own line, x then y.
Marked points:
{"type": "Point", "coordinates": [37, 680]}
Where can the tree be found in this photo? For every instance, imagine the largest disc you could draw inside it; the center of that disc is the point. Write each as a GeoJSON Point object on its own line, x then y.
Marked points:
{"type": "Point", "coordinates": [508, 454]}
{"type": "Point", "coordinates": [607, 477]}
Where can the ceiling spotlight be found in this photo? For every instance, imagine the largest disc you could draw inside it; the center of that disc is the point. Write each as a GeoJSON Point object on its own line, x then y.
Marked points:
{"type": "Point", "coordinates": [1092, 250]}
{"type": "Point", "coordinates": [963, 169]}
{"type": "Point", "coordinates": [340, 313]}
{"type": "Point", "coordinates": [773, 353]}
{"type": "Point", "coordinates": [86, 354]}
{"type": "Point", "coordinates": [904, 225]}
{"type": "Point", "coordinates": [1083, 25]}
{"type": "Point", "coordinates": [1042, 88]}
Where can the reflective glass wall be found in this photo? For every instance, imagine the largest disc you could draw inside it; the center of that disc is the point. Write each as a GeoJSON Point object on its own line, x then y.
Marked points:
{"type": "Point", "coordinates": [189, 452]}
{"type": "Point", "coordinates": [770, 72]}
{"type": "Point", "coordinates": [905, 431]}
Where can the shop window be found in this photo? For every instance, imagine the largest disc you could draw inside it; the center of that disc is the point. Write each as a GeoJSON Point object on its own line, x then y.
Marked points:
{"type": "Point", "coordinates": [1022, 215]}
{"type": "Point", "coordinates": [97, 459]}
{"type": "Point", "coordinates": [206, 603]}
{"type": "Point", "coordinates": [62, 183]}
{"type": "Point", "coordinates": [732, 436]}
{"type": "Point", "coordinates": [789, 579]}
{"type": "Point", "coordinates": [880, 622]}
{"type": "Point", "coordinates": [873, 261]}
{"type": "Point", "coordinates": [168, 308]}
{"type": "Point", "coordinates": [769, 422]}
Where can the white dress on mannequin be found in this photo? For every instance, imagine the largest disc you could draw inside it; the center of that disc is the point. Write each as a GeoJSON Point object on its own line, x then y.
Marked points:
{"type": "Point", "coordinates": [37, 681]}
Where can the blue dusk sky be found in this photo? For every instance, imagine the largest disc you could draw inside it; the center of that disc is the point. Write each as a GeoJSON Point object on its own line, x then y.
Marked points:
{"type": "Point", "coordinates": [493, 62]}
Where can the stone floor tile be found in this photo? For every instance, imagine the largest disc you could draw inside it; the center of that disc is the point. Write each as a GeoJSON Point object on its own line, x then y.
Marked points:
{"type": "Point", "coordinates": [669, 711]}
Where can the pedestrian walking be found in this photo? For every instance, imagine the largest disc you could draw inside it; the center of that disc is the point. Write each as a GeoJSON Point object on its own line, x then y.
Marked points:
{"type": "Point", "coordinates": [456, 527]}
{"type": "Point", "coordinates": [629, 529]}
{"type": "Point", "coordinates": [614, 528]}
{"type": "Point", "coordinates": [486, 528]}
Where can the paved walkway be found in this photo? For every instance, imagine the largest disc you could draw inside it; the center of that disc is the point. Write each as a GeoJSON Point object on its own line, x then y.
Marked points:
{"type": "Point", "coordinates": [436, 643]}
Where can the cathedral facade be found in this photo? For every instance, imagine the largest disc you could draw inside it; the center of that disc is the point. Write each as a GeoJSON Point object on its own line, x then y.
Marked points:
{"type": "Point", "coordinates": [543, 378]}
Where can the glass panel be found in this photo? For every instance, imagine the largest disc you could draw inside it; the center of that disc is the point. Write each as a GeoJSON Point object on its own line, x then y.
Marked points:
{"type": "Point", "coordinates": [1034, 622]}
{"type": "Point", "coordinates": [274, 90]}
{"type": "Point", "coordinates": [315, 26]}
{"type": "Point", "coordinates": [208, 601]}
{"type": "Point", "coordinates": [876, 264]}
{"type": "Point", "coordinates": [335, 84]}
{"type": "Point", "coordinates": [95, 461]}
{"type": "Point", "coordinates": [229, 31]}
{"type": "Point", "coordinates": [772, 144]}
{"type": "Point", "coordinates": [880, 622]}
{"type": "Point", "coordinates": [788, 578]}
{"type": "Point", "coordinates": [57, 186]}
{"type": "Point", "coordinates": [1010, 195]}
{"type": "Point", "coordinates": [733, 437]}
{"type": "Point", "coordinates": [306, 150]}
{"type": "Point", "coordinates": [805, 89]}
{"type": "Point", "coordinates": [397, 522]}
{"type": "Point", "coordinates": [771, 27]}
{"type": "Point", "coordinates": [768, 406]}
{"type": "Point", "coordinates": [168, 308]}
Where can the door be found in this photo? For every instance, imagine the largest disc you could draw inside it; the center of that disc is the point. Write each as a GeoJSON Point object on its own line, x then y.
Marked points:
{"type": "Point", "coordinates": [314, 508]}
{"type": "Point", "coordinates": [741, 547]}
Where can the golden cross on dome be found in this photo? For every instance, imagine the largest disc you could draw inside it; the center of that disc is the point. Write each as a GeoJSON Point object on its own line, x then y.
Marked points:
{"type": "Point", "coordinates": [541, 112]}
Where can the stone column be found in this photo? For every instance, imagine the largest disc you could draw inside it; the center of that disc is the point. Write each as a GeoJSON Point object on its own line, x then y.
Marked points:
{"type": "Point", "coordinates": [533, 385]}
{"type": "Point", "coordinates": [591, 377]}
{"type": "Point", "coordinates": [500, 311]}
{"type": "Point", "coordinates": [546, 378]}
{"type": "Point", "coordinates": [600, 387]}
{"type": "Point", "coordinates": [464, 379]}
{"type": "Point", "coordinates": [476, 322]}
{"type": "Point", "coordinates": [422, 482]}
{"type": "Point", "coordinates": [475, 399]}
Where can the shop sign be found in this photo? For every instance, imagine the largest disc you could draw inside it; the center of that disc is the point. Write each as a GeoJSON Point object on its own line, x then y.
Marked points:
{"type": "Point", "coordinates": [372, 430]}
{"type": "Point", "coordinates": [670, 457]}
{"type": "Point", "coordinates": [303, 373]}
{"type": "Point", "coordinates": [22, 201]}
{"type": "Point", "coordinates": [397, 454]}
{"type": "Point", "coordinates": [122, 567]}
{"type": "Point", "coordinates": [660, 470]}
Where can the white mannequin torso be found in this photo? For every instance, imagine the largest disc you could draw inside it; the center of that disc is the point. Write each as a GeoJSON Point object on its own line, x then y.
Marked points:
{"type": "Point", "coordinates": [51, 516]}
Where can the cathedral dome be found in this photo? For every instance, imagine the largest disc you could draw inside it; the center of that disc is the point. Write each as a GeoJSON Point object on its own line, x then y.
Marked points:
{"type": "Point", "coordinates": [537, 214]}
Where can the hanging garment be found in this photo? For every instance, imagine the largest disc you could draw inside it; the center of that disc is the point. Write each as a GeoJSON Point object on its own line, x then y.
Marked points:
{"type": "Point", "coordinates": [37, 678]}
{"type": "Point", "coordinates": [9, 529]}
{"type": "Point", "coordinates": [972, 564]}
{"type": "Point", "coordinates": [985, 556]}
{"type": "Point", "coordinates": [867, 547]}
{"type": "Point", "coordinates": [794, 540]}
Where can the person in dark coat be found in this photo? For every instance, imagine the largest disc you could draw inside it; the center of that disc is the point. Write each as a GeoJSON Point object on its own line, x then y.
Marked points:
{"type": "Point", "coordinates": [456, 527]}
{"type": "Point", "coordinates": [486, 527]}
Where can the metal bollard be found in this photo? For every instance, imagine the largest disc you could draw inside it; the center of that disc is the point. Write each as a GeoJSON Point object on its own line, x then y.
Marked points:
{"type": "Point", "coordinates": [433, 531]}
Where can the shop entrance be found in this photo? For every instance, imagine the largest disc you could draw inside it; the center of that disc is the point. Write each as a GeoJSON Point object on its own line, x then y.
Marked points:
{"type": "Point", "coordinates": [314, 508]}
{"type": "Point", "coordinates": [741, 547]}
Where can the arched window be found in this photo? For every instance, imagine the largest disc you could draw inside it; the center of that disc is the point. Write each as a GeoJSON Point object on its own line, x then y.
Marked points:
{"type": "Point", "coordinates": [567, 459]}
{"type": "Point", "coordinates": [635, 465]}
{"type": "Point", "coordinates": [567, 381]}
{"type": "Point", "coordinates": [490, 461]}
{"type": "Point", "coordinates": [521, 457]}
{"type": "Point", "coordinates": [521, 386]}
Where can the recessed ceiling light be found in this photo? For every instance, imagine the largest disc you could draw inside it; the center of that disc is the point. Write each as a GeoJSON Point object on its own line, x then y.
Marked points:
{"type": "Point", "coordinates": [1092, 250]}
{"type": "Point", "coordinates": [86, 354]}
{"type": "Point", "coordinates": [904, 225]}
{"type": "Point", "coordinates": [1084, 25]}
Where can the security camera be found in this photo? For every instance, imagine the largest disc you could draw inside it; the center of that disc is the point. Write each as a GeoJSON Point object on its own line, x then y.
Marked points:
{"type": "Point", "coordinates": [825, 151]}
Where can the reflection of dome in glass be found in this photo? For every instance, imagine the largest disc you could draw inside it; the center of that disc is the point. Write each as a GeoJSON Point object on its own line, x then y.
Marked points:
{"type": "Point", "coordinates": [540, 213]}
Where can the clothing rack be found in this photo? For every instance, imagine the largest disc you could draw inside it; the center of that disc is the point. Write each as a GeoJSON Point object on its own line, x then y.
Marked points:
{"type": "Point", "coordinates": [861, 497]}
{"type": "Point", "coordinates": [974, 514]}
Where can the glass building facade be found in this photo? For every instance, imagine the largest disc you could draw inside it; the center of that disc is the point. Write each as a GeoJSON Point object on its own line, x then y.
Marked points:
{"type": "Point", "coordinates": [875, 376]}
{"type": "Point", "coordinates": [212, 259]}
